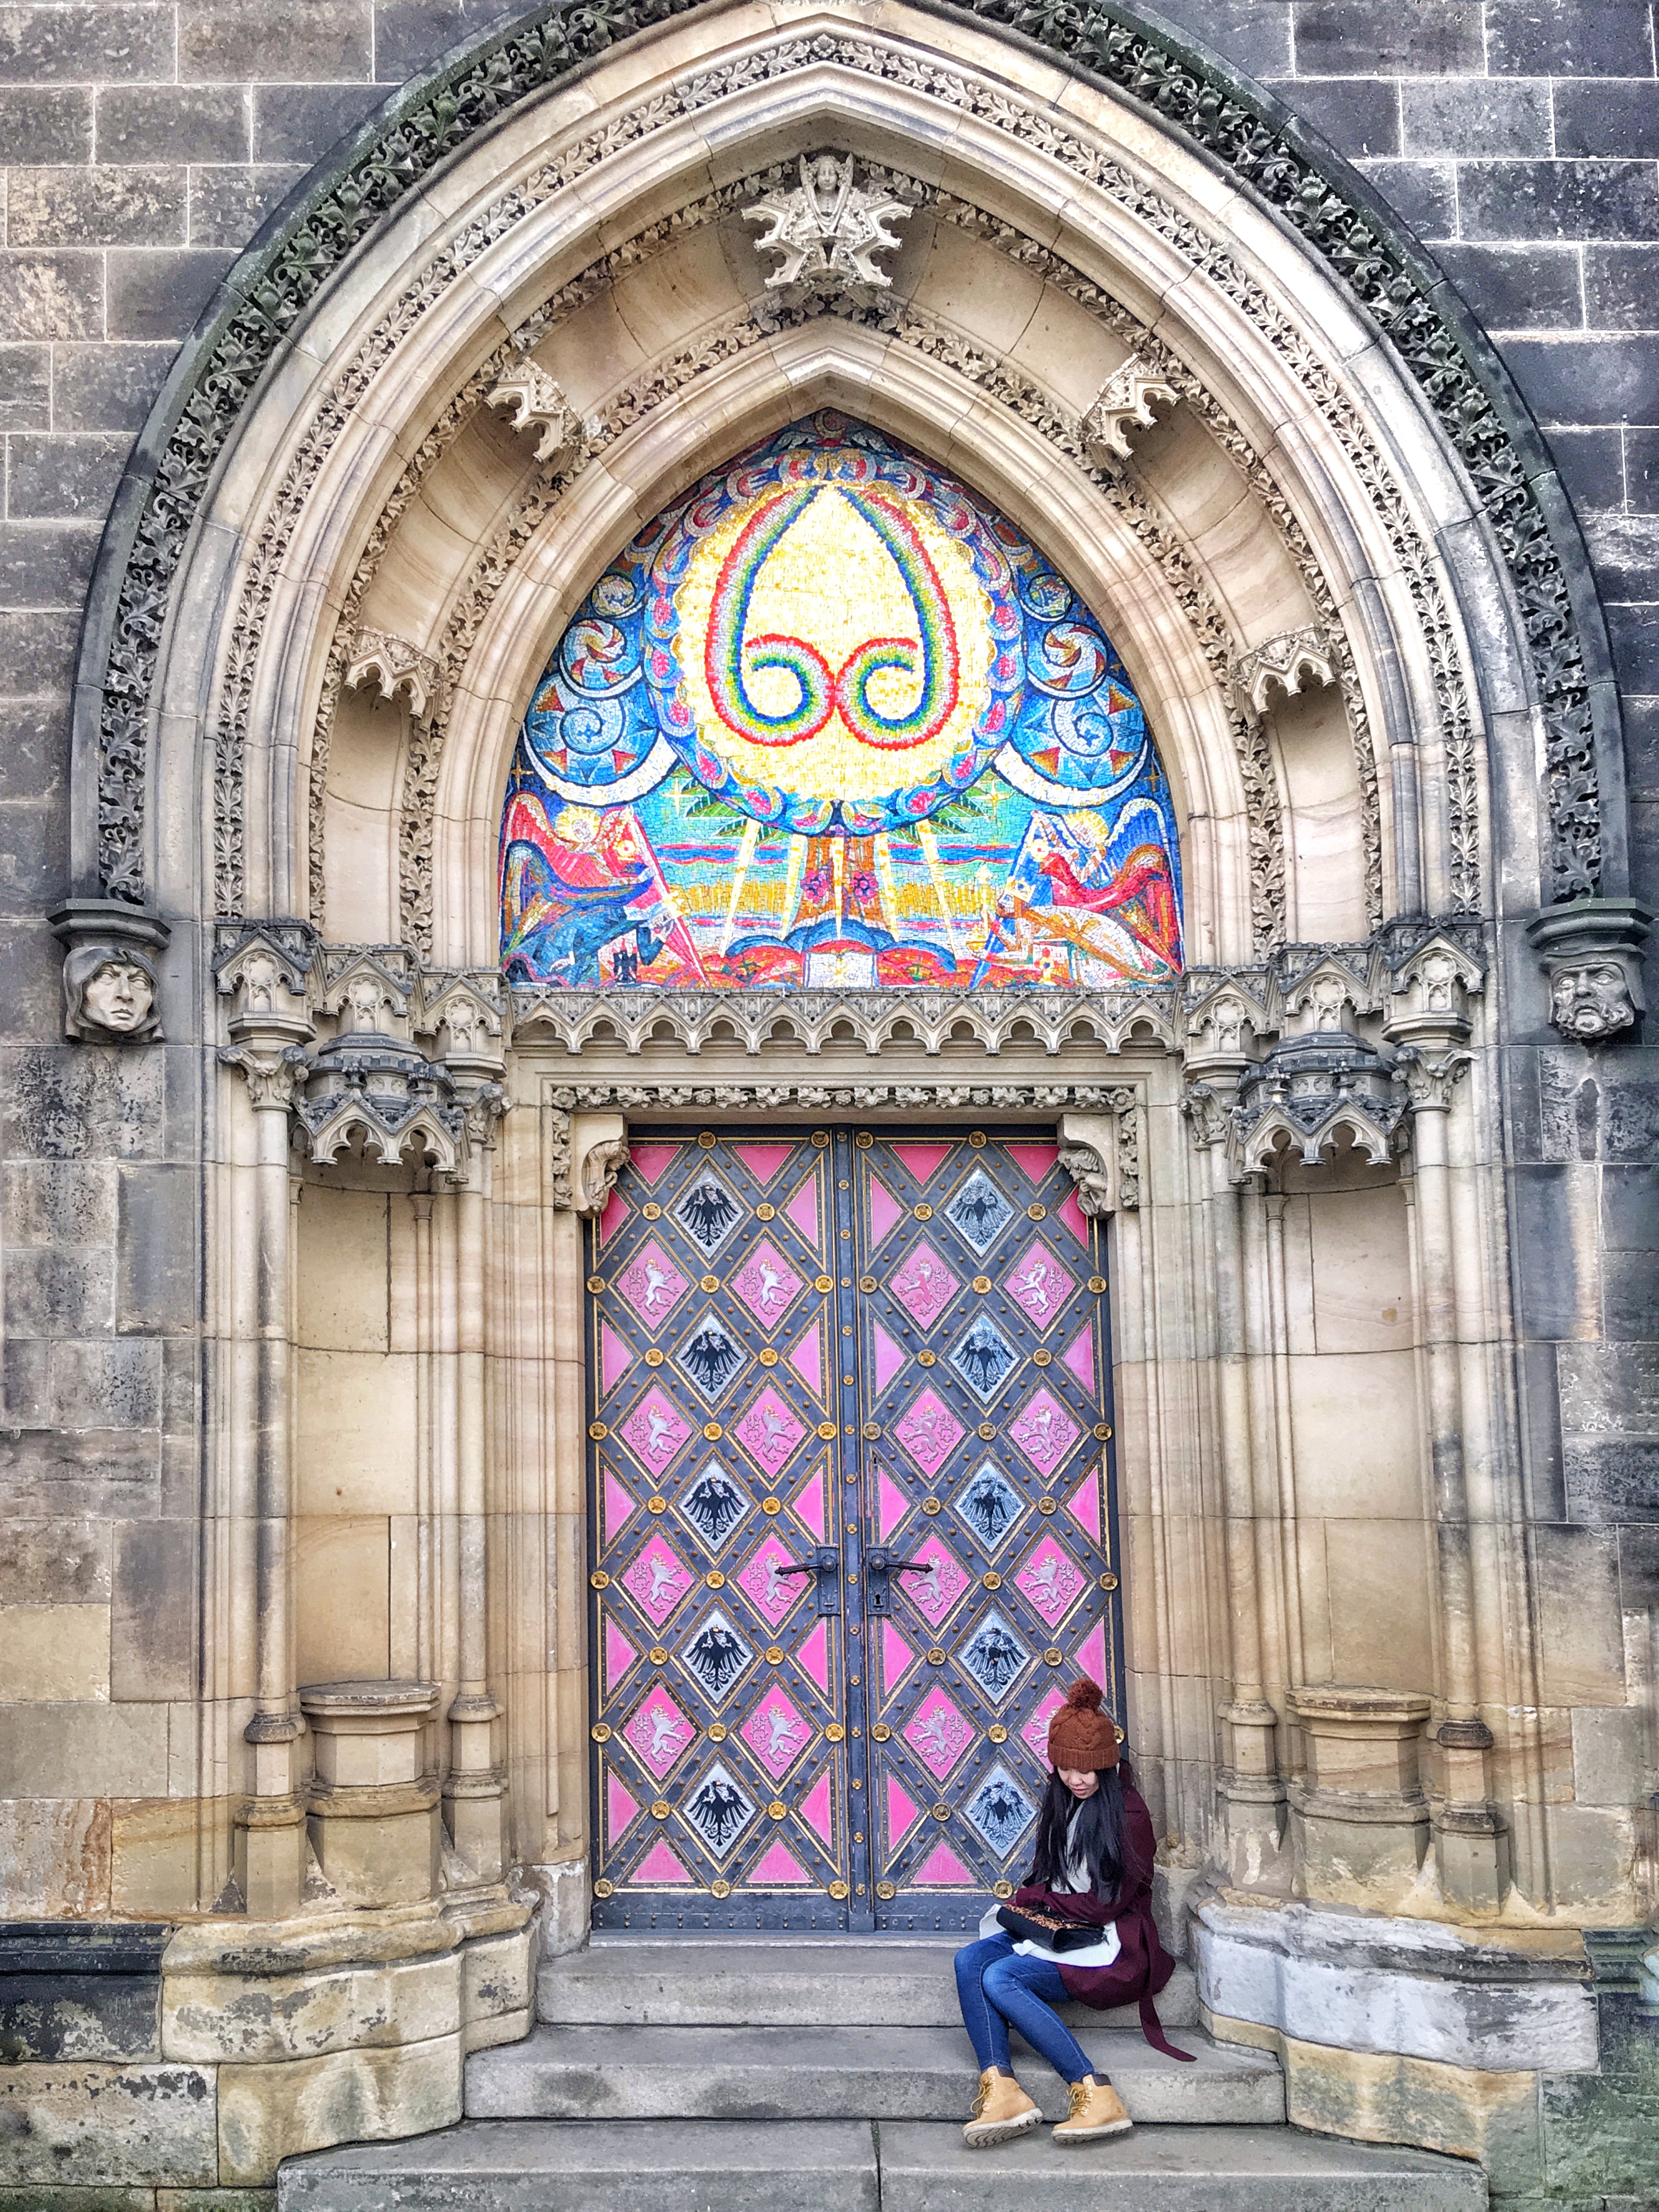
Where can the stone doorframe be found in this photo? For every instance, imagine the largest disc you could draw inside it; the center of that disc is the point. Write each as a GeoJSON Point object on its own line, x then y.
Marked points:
{"type": "Point", "coordinates": [1194, 420]}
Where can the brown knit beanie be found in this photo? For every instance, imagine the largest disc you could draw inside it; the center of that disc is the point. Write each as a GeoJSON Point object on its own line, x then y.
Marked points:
{"type": "Point", "coordinates": [1080, 1735]}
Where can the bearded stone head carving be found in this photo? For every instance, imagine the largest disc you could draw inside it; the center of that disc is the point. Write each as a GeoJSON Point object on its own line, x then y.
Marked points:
{"type": "Point", "coordinates": [1591, 998]}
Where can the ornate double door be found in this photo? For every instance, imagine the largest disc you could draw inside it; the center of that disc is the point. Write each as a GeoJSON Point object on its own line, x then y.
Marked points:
{"type": "Point", "coordinates": [852, 1514]}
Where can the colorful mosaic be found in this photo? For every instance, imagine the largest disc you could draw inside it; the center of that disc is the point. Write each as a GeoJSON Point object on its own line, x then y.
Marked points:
{"type": "Point", "coordinates": [832, 720]}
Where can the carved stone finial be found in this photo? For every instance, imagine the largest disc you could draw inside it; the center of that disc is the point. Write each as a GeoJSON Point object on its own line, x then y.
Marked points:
{"type": "Point", "coordinates": [1126, 398]}
{"type": "Point", "coordinates": [1591, 950]}
{"type": "Point", "coordinates": [392, 665]}
{"type": "Point", "coordinates": [562, 435]}
{"type": "Point", "coordinates": [828, 230]}
{"type": "Point", "coordinates": [1292, 661]}
{"type": "Point", "coordinates": [111, 987]}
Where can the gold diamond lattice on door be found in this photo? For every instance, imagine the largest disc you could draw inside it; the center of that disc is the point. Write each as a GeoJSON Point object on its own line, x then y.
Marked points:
{"type": "Point", "coordinates": [851, 1511]}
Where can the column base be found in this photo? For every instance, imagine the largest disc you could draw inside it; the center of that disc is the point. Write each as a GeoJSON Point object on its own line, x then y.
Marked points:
{"type": "Point", "coordinates": [269, 1856]}
{"type": "Point", "coordinates": [1472, 1856]}
{"type": "Point", "coordinates": [1255, 1854]}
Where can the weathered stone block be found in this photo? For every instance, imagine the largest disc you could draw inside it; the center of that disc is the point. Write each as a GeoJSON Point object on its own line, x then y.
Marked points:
{"type": "Point", "coordinates": [1340, 38]}
{"type": "Point", "coordinates": [51, 1751]}
{"type": "Point", "coordinates": [51, 296]}
{"type": "Point", "coordinates": [77, 46]}
{"type": "Point", "coordinates": [70, 1102]}
{"type": "Point", "coordinates": [53, 1652]}
{"type": "Point", "coordinates": [106, 387]}
{"type": "Point", "coordinates": [155, 1852]}
{"type": "Point", "coordinates": [1607, 118]}
{"type": "Point", "coordinates": [262, 2019]}
{"type": "Point", "coordinates": [64, 1291]}
{"type": "Point", "coordinates": [227, 205]}
{"type": "Point", "coordinates": [75, 478]}
{"type": "Point", "coordinates": [97, 205]}
{"type": "Point", "coordinates": [25, 392]}
{"type": "Point", "coordinates": [153, 1624]}
{"type": "Point", "coordinates": [1491, 2116]}
{"type": "Point", "coordinates": [73, 1994]}
{"type": "Point", "coordinates": [1607, 37]}
{"type": "Point", "coordinates": [498, 1988]}
{"type": "Point", "coordinates": [267, 2113]}
{"type": "Point", "coordinates": [299, 122]}
{"type": "Point", "coordinates": [113, 1382]}
{"type": "Point", "coordinates": [409, 35]}
{"type": "Point", "coordinates": [160, 295]}
{"type": "Point", "coordinates": [1466, 116]}
{"type": "Point", "coordinates": [173, 123]}
{"type": "Point", "coordinates": [53, 1202]}
{"type": "Point", "coordinates": [54, 1562]}
{"type": "Point", "coordinates": [238, 41]}
{"type": "Point", "coordinates": [38, 123]}
{"type": "Point", "coordinates": [107, 2123]}
{"type": "Point", "coordinates": [54, 1855]}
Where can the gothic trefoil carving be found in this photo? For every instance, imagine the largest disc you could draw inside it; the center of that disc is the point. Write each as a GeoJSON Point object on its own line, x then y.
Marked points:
{"type": "Point", "coordinates": [542, 408]}
{"type": "Point", "coordinates": [827, 231]}
{"type": "Point", "coordinates": [1125, 400]}
{"type": "Point", "coordinates": [389, 665]}
{"type": "Point", "coordinates": [1294, 661]}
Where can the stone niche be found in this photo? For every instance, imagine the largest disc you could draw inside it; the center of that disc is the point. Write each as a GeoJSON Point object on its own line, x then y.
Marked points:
{"type": "Point", "coordinates": [1360, 1817]}
{"type": "Point", "coordinates": [372, 1808]}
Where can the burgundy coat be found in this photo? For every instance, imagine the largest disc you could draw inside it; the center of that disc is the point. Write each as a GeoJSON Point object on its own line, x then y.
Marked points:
{"type": "Point", "coordinates": [1142, 1965]}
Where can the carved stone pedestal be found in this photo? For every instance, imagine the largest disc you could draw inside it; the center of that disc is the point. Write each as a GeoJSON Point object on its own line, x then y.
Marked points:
{"type": "Point", "coordinates": [1361, 1817]}
{"type": "Point", "coordinates": [373, 1811]}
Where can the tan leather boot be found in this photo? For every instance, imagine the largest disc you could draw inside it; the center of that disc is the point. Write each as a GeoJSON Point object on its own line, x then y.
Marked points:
{"type": "Point", "coordinates": [1096, 2110]}
{"type": "Point", "coordinates": [1001, 2110]}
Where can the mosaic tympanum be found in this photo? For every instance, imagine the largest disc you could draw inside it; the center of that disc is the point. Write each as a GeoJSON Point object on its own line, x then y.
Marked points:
{"type": "Point", "coordinates": [832, 720]}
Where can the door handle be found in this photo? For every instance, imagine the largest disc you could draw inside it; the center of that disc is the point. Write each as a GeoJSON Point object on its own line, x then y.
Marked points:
{"type": "Point", "coordinates": [825, 1564]}
{"type": "Point", "coordinates": [879, 1563]}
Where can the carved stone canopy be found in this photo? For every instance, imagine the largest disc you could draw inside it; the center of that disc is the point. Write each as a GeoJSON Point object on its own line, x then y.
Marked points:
{"type": "Point", "coordinates": [111, 984]}
{"type": "Point", "coordinates": [1310, 1090]}
{"type": "Point", "coordinates": [1591, 950]}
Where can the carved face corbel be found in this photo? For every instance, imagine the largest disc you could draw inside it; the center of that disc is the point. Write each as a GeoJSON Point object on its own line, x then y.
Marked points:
{"type": "Point", "coordinates": [1591, 998]}
{"type": "Point", "coordinates": [111, 988]}
{"type": "Point", "coordinates": [109, 995]}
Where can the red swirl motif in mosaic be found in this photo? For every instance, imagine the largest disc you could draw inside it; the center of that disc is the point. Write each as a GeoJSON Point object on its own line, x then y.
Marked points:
{"type": "Point", "coordinates": [730, 657]}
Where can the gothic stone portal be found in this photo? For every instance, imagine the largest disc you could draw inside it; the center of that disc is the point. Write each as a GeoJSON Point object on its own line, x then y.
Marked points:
{"type": "Point", "coordinates": [852, 1504]}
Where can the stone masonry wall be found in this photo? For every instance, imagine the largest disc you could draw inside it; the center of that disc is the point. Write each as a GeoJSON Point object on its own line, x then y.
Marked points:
{"type": "Point", "coordinates": [143, 144]}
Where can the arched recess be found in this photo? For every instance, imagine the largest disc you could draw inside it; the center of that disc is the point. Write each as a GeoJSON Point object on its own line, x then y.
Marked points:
{"type": "Point", "coordinates": [180, 501]}
{"type": "Point", "coordinates": [328, 492]}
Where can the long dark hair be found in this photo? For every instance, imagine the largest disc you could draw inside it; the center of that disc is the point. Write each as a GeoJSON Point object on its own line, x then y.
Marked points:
{"type": "Point", "coordinates": [1102, 1839]}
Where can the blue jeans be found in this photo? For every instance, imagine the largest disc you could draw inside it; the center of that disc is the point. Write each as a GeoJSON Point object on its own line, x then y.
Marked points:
{"type": "Point", "coordinates": [999, 1989]}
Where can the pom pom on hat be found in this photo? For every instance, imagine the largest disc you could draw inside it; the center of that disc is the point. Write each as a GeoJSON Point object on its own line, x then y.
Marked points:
{"type": "Point", "coordinates": [1080, 1735]}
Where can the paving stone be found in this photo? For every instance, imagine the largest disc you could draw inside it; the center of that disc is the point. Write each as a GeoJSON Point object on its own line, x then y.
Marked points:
{"type": "Point", "coordinates": [880, 2073]}
{"type": "Point", "coordinates": [534, 2167]}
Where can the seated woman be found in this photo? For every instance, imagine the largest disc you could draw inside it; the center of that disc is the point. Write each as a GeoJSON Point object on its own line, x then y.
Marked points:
{"type": "Point", "coordinates": [1092, 1868]}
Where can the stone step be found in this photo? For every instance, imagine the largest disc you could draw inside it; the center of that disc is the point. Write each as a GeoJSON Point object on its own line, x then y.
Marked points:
{"type": "Point", "coordinates": [929, 2169]}
{"type": "Point", "coordinates": [847, 2165]}
{"type": "Point", "coordinates": [542, 2165]}
{"type": "Point", "coordinates": [862, 2073]}
{"type": "Point", "coordinates": [627, 1982]}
